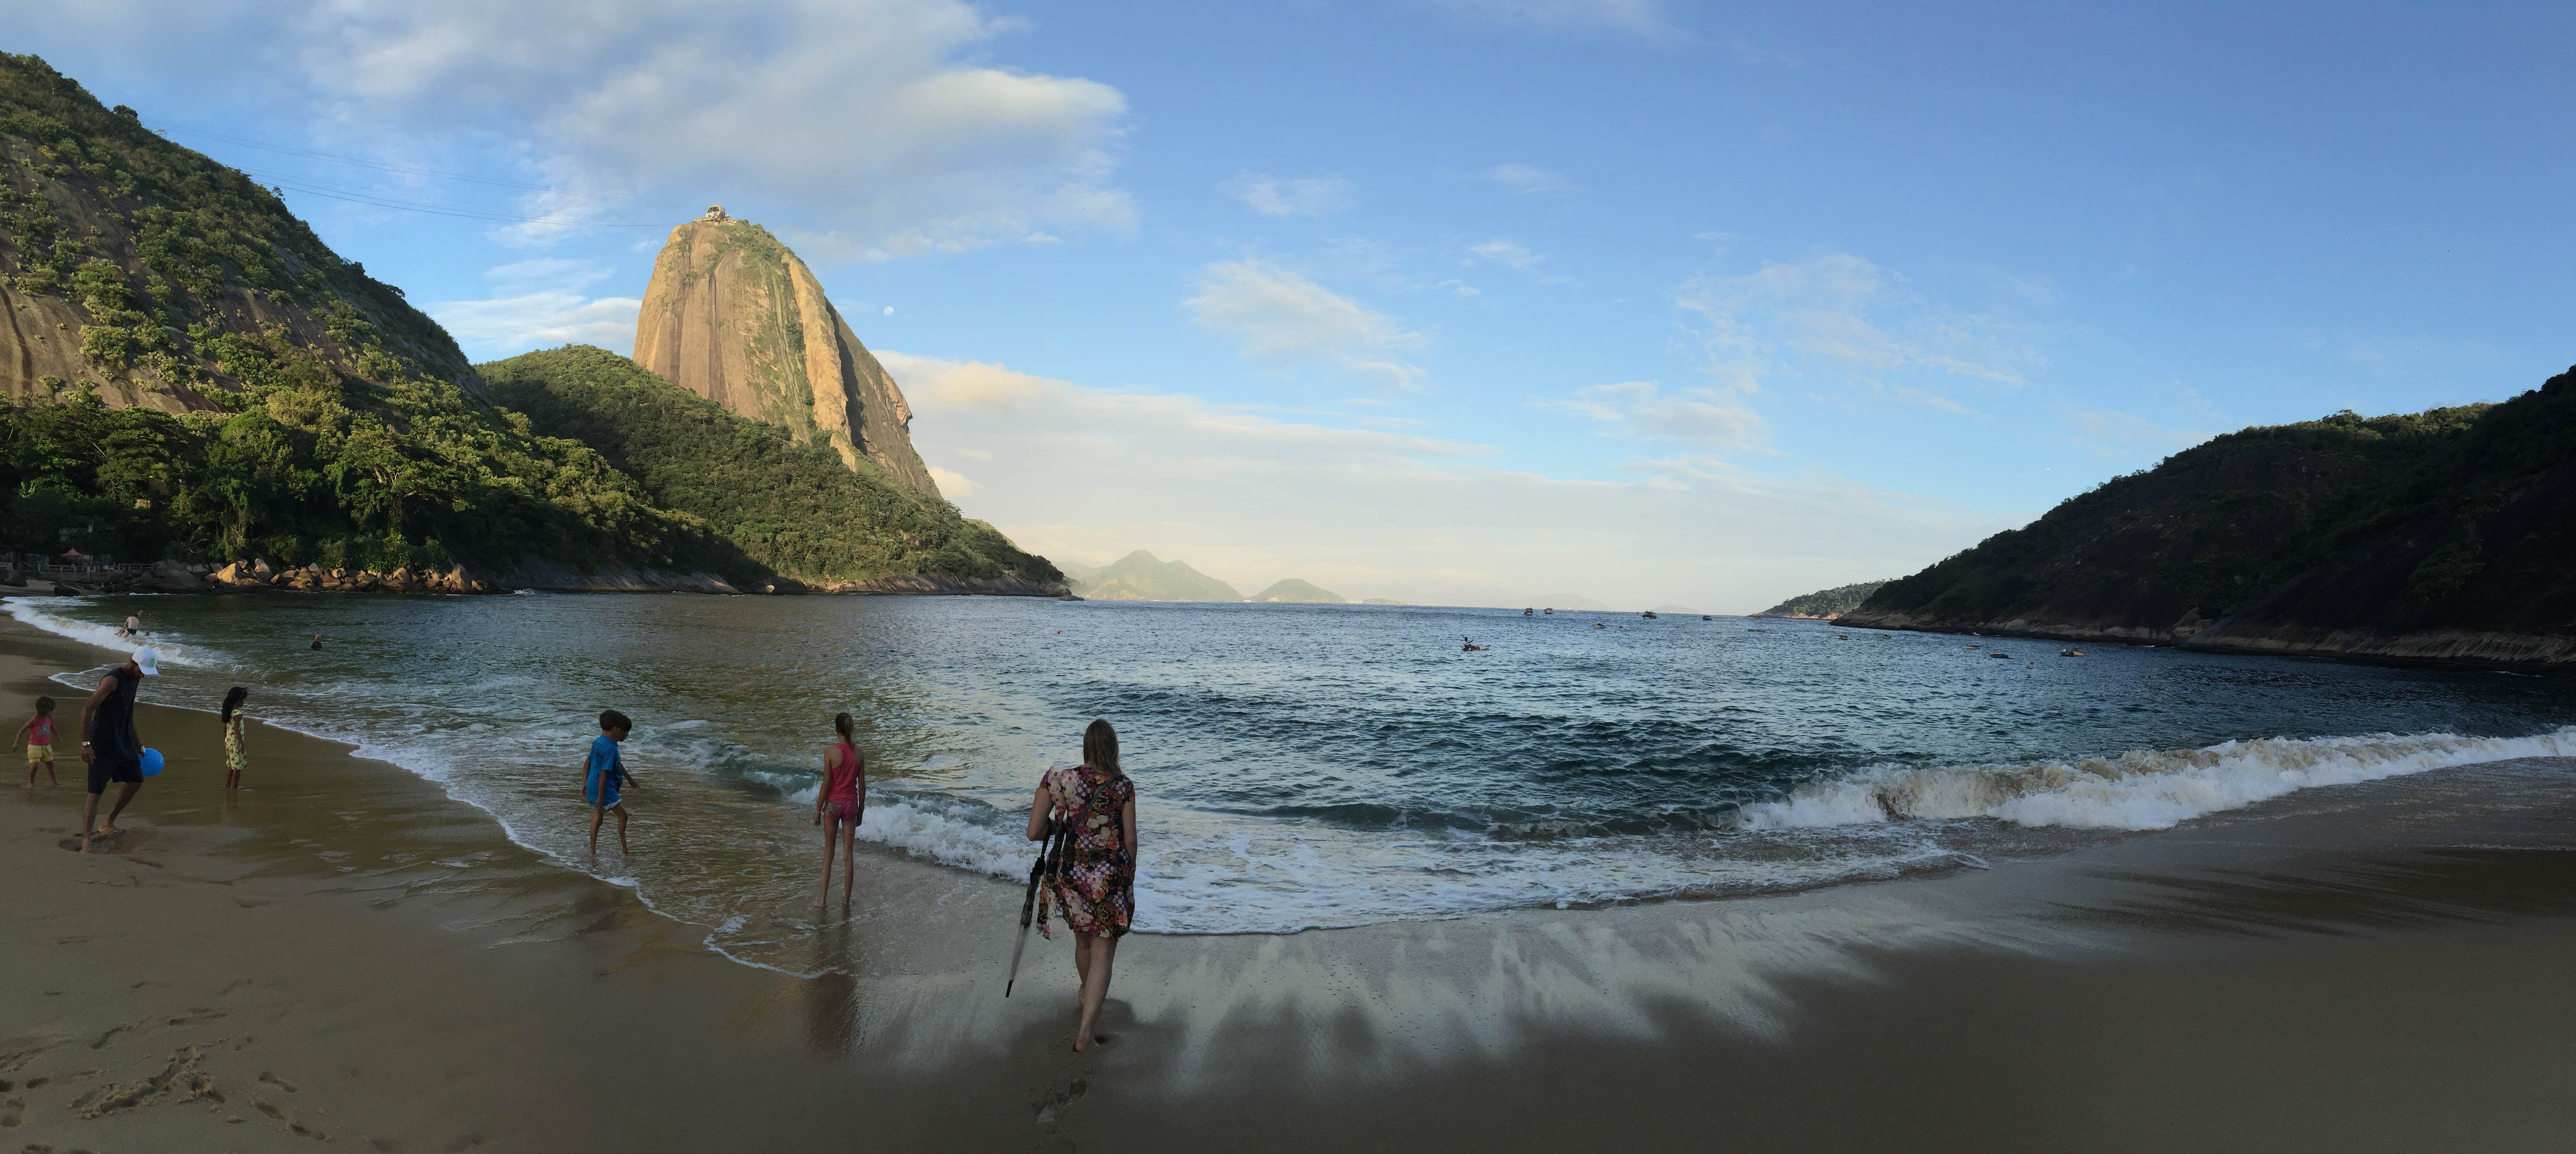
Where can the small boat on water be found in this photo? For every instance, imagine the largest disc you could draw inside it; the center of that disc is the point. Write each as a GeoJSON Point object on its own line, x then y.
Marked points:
{"type": "Point", "coordinates": [2000, 656]}
{"type": "Point", "coordinates": [2070, 653]}
{"type": "Point", "coordinates": [1547, 612]}
{"type": "Point", "coordinates": [1527, 613]}
{"type": "Point", "coordinates": [1649, 615]}
{"type": "Point", "coordinates": [1706, 617]}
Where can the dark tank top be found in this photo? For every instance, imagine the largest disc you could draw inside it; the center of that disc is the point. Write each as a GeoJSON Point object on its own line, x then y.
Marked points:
{"type": "Point", "coordinates": [111, 725]}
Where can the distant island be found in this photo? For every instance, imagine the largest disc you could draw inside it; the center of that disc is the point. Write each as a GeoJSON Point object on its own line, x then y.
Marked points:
{"type": "Point", "coordinates": [2447, 536]}
{"type": "Point", "coordinates": [1824, 603]}
{"type": "Point", "coordinates": [1291, 589]}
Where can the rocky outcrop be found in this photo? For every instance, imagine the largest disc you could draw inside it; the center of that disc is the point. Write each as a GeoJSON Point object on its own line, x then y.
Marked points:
{"type": "Point", "coordinates": [735, 317]}
{"type": "Point", "coordinates": [1823, 604]}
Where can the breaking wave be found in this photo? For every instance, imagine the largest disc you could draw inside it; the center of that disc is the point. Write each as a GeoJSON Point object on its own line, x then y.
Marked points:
{"type": "Point", "coordinates": [2141, 789]}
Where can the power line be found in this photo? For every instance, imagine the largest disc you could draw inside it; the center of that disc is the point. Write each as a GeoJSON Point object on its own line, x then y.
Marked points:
{"type": "Point", "coordinates": [164, 126]}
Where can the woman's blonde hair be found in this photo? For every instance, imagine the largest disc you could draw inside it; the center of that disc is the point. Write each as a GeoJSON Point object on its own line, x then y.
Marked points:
{"type": "Point", "coordinates": [1100, 747]}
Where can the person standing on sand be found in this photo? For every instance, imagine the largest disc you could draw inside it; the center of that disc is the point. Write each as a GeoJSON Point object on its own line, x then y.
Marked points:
{"type": "Point", "coordinates": [602, 784]}
{"type": "Point", "coordinates": [236, 753]}
{"type": "Point", "coordinates": [842, 801]}
{"type": "Point", "coordinates": [1096, 884]}
{"type": "Point", "coordinates": [38, 733]}
{"type": "Point", "coordinates": [109, 742]}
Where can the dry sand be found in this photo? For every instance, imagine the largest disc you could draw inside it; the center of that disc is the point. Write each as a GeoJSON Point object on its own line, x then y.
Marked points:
{"type": "Point", "coordinates": [342, 955]}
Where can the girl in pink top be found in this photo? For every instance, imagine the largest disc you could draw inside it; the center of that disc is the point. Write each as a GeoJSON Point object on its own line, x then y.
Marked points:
{"type": "Point", "coordinates": [843, 799]}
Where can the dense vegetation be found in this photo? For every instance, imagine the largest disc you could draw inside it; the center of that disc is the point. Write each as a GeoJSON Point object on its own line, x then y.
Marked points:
{"type": "Point", "coordinates": [795, 508]}
{"type": "Point", "coordinates": [1832, 602]}
{"type": "Point", "coordinates": [320, 418]}
{"type": "Point", "coordinates": [2215, 528]}
{"type": "Point", "coordinates": [165, 249]}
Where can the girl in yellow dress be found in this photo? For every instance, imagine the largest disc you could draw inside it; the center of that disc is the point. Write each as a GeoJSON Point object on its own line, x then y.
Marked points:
{"type": "Point", "coordinates": [235, 756]}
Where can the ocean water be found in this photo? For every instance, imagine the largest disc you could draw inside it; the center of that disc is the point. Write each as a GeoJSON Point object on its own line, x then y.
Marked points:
{"type": "Point", "coordinates": [1305, 766]}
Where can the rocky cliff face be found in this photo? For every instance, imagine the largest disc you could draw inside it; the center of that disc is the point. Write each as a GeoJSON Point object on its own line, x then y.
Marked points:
{"type": "Point", "coordinates": [2442, 537]}
{"type": "Point", "coordinates": [735, 317]}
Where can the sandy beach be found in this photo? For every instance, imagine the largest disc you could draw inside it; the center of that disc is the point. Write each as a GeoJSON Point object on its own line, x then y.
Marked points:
{"type": "Point", "coordinates": [344, 955]}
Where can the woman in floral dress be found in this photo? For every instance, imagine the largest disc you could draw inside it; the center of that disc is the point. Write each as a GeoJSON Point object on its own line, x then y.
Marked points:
{"type": "Point", "coordinates": [1095, 879]}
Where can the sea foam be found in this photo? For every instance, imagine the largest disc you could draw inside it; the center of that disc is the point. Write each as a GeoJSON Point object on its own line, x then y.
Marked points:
{"type": "Point", "coordinates": [2141, 789]}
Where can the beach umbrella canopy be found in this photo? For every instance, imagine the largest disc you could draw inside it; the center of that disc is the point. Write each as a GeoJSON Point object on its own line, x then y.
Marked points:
{"type": "Point", "coordinates": [75, 554]}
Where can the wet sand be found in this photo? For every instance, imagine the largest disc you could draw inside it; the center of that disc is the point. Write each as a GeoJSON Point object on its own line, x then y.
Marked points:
{"type": "Point", "coordinates": [341, 954]}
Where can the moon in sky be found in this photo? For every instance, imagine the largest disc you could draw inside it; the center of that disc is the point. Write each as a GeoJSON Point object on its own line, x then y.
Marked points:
{"type": "Point", "coordinates": [889, 310]}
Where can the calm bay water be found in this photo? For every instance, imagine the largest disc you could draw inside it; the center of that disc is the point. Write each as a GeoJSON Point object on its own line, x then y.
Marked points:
{"type": "Point", "coordinates": [1306, 766]}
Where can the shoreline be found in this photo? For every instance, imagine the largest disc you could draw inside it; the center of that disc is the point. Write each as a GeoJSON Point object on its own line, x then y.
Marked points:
{"type": "Point", "coordinates": [2264, 979]}
{"type": "Point", "coordinates": [2561, 666]}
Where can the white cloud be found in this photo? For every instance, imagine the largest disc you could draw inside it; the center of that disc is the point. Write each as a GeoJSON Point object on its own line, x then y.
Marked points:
{"type": "Point", "coordinates": [1525, 178]}
{"type": "Point", "coordinates": [1250, 498]}
{"type": "Point", "coordinates": [952, 485]}
{"type": "Point", "coordinates": [856, 128]}
{"type": "Point", "coordinates": [1840, 319]}
{"type": "Point", "coordinates": [1636, 17]}
{"type": "Point", "coordinates": [1278, 315]}
{"type": "Point", "coordinates": [539, 304]}
{"type": "Point", "coordinates": [1291, 196]}
{"type": "Point", "coordinates": [1507, 252]}
{"type": "Point", "coordinates": [1643, 409]}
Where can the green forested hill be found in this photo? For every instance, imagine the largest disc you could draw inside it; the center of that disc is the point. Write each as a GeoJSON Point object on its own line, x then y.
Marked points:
{"type": "Point", "coordinates": [192, 374]}
{"type": "Point", "coordinates": [1832, 602]}
{"type": "Point", "coordinates": [2443, 535]}
{"type": "Point", "coordinates": [797, 509]}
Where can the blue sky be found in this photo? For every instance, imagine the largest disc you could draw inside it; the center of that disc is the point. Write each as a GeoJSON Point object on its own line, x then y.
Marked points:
{"type": "Point", "coordinates": [1471, 300]}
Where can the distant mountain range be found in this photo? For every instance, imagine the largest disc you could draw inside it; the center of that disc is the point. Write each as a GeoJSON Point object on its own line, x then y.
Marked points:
{"type": "Point", "coordinates": [1568, 601]}
{"type": "Point", "coordinates": [1825, 603]}
{"type": "Point", "coordinates": [1141, 576]}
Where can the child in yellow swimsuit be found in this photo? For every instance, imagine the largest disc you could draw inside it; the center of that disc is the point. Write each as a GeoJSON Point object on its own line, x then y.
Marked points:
{"type": "Point", "coordinates": [236, 758]}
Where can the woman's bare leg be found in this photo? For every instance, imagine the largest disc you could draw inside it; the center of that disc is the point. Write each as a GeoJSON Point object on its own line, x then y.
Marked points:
{"type": "Point", "coordinates": [1081, 963]}
{"type": "Point", "coordinates": [1095, 983]}
{"type": "Point", "coordinates": [849, 858]}
{"type": "Point", "coordinates": [831, 830]}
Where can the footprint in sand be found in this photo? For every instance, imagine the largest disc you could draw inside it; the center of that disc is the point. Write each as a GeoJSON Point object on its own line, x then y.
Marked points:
{"type": "Point", "coordinates": [276, 1081]}
{"type": "Point", "coordinates": [13, 1111]}
{"type": "Point", "coordinates": [1051, 1108]}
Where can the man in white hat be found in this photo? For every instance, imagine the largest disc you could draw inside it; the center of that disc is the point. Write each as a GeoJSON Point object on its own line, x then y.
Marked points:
{"type": "Point", "coordinates": [109, 743]}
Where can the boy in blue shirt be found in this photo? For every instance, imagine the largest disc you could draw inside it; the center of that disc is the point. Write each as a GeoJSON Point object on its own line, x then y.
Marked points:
{"type": "Point", "coordinates": [602, 782]}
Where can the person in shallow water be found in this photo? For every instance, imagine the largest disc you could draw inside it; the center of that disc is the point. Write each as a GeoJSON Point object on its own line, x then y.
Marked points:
{"type": "Point", "coordinates": [109, 742]}
{"type": "Point", "coordinates": [1096, 882]}
{"type": "Point", "coordinates": [604, 778]}
{"type": "Point", "coordinates": [839, 805]}
{"type": "Point", "coordinates": [236, 744]}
